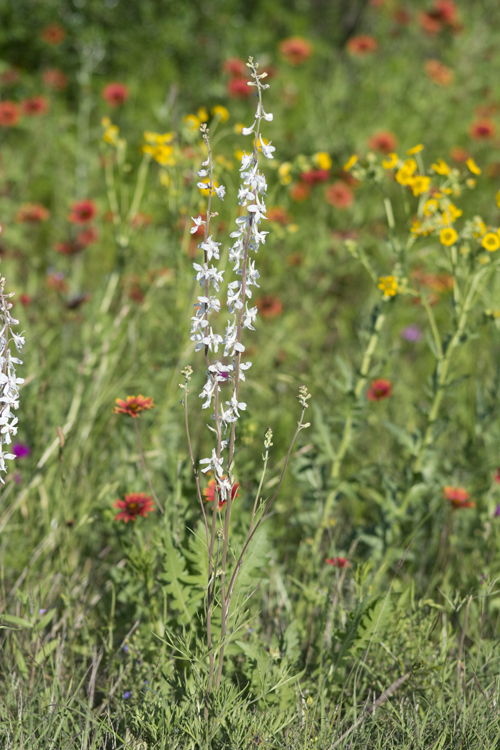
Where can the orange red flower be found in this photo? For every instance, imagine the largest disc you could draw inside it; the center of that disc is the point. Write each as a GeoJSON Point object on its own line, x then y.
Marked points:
{"type": "Point", "coordinates": [10, 114]}
{"type": "Point", "coordinates": [438, 73]}
{"type": "Point", "coordinates": [55, 79]}
{"type": "Point", "coordinates": [338, 562]}
{"type": "Point", "coordinates": [482, 130]}
{"type": "Point", "coordinates": [135, 504]}
{"type": "Point", "coordinates": [383, 141]}
{"type": "Point", "coordinates": [82, 212]}
{"type": "Point", "coordinates": [115, 94]}
{"type": "Point", "coordinates": [315, 176]}
{"type": "Point", "coordinates": [32, 213]}
{"type": "Point", "coordinates": [235, 67]}
{"type": "Point", "coordinates": [362, 45]}
{"type": "Point", "coordinates": [379, 389]}
{"type": "Point", "coordinates": [237, 88]}
{"type": "Point", "coordinates": [339, 195]}
{"type": "Point", "coordinates": [458, 497]}
{"type": "Point", "coordinates": [35, 106]}
{"type": "Point", "coordinates": [295, 50]}
{"type": "Point", "coordinates": [299, 192]}
{"type": "Point", "coordinates": [133, 405]}
{"type": "Point", "coordinates": [53, 34]}
{"type": "Point", "coordinates": [269, 306]}
{"type": "Point", "coordinates": [209, 492]}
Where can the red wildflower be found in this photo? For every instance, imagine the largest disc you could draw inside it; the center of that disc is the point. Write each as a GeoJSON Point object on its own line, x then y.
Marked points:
{"type": "Point", "coordinates": [362, 45]}
{"type": "Point", "coordinates": [82, 212]}
{"type": "Point", "coordinates": [458, 497]}
{"type": "Point", "coordinates": [459, 154]}
{"type": "Point", "coordinates": [429, 22]}
{"type": "Point", "coordinates": [439, 74]}
{"type": "Point", "coordinates": [295, 50]}
{"type": "Point", "coordinates": [379, 389]}
{"type": "Point", "coordinates": [338, 562]}
{"type": "Point", "coordinates": [135, 504]}
{"type": "Point", "coordinates": [209, 493]}
{"type": "Point", "coordinates": [237, 88]}
{"type": "Point", "coordinates": [299, 192]}
{"type": "Point", "coordinates": [68, 248]}
{"type": "Point", "coordinates": [269, 306]}
{"type": "Point", "coordinates": [383, 141]}
{"type": "Point", "coordinates": [87, 236]}
{"type": "Point", "coordinates": [9, 76]}
{"type": "Point", "coordinates": [339, 195]}
{"type": "Point", "coordinates": [25, 300]}
{"type": "Point", "coordinates": [55, 79]}
{"type": "Point", "coordinates": [497, 476]}
{"type": "Point", "coordinates": [31, 213]}
{"type": "Point", "coordinates": [133, 405]}
{"type": "Point", "coordinates": [115, 94]}
{"type": "Point", "coordinates": [315, 176]}
{"type": "Point", "coordinates": [235, 67]}
{"type": "Point", "coordinates": [482, 130]}
{"type": "Point", "coordinates": [446, 11]}
{"type": "Point", "coordinates": [279, 215]}
{"type": "Point", "coordinates": [35, 106]}
{"type": "Point", "coordinates": [53, 34]}
{"type": "Point", "coordinates": [9, 114]}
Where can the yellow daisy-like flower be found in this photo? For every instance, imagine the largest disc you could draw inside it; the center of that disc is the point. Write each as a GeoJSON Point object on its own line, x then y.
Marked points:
{"type": "Point", "coordinates": [349, 164]}
{"type": "Point", "coordinates": [441, 167]}
{"type": "Point", "coordinates": [473, 166]}
{"type": "Point", "coordinates": [202, 114]}
{"type": "Point", "coordinates": [161, 154]}
{"type": "Point", "coordinates": [284, 173]}
{"type": "Point", "coordinates": [497, 199]}
{"type": "Point", "coordinates": [453, 213]}
{"type": "Point", "coordinates": [405, 175]}
{"type": "Point", "coordinates": [415, 150]}
{"type": "Point", "coordinates": [238, 127]}
{"type": "Point", "coordinates": [220, 112]}
{"type": "Point", "coordinates": [479, 227]}
{"type": "Point", "coordinates": [420, 184]}
{"type": "Point", "coordinates": [430, 207]}
{"type": "Point", "coordinates": [110, 135]}
{"type": "Point", "coordinates": [490, 242]}
{"type": "Point", "coordinates": [391, 162]}
{"type": "Point", "coordinates": [448, 236]}
{"type": "Point", "coordinates": [192, 121]}
{"type": "Point", "coordinates": [322, 160]}
{"type": "Point", "coordinates": [389, 285]}
{"type": "Point", "coordinates": [158, 139]}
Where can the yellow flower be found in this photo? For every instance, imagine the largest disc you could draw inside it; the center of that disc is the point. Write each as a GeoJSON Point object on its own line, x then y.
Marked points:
{"type": "Point", "coordinates": [441, 167]}
{"type": "Point", "coordinates": [448, 236]}
{"type": "Point", "coordinates": [238, 127]}
{"type": "Point", "coordinates": [111, 134]}
{"type": "Point", "coordinates": [490, 241]}
{"type": "Point", "coordinates": [389, 285]}
{"type": "Point", "coordinates": [497, 199]}
{"type": "Point", "coordinates": [157, 138]}
{"type": "Point", "coordinates": [420, 184]}
{"type": "Point", "coordinates": [292, 228]}
{"type": "Point", "coordinates": [415, 149]}
{"type": "Point", "coordinates": [471, 183]}
{"type": "Point", "coordinates": [284, 173]}
{"type": "Point", "coordinates": [165, 178]}
{"type": "Point", "coordinates": [349, 164]}
{"type": "Point", "coordinates": [453, 212]}
{"type": "Point", "coordinates": [192, 121]}
{"type": "Point", "coordinates": [473, 166]}
{"type": "Point", "coordinates": [105, 122]}
{"type": "Point", "coordinates": [202, 114]}
{"type": "Point", "coordinates": [323, 160]}
{"type": "Point", "coordinates": [405, 175]}
{"type": "Point", "coordinates": [391, 162]}
{"type": "Point", "coordinates": [220, 112]}
{"type": "Point", "coordinates": [479, 227]}
{"type": "Point", "coordinates": [430, 207]}
{"type": "Point", "coordinates": [161, 154]}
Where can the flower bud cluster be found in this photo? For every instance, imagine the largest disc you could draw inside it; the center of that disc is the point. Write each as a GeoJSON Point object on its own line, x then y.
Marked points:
{"type": "Point", "coordinates": [9, 383]}
{"type": "Point", "coordinates": [247, 238]}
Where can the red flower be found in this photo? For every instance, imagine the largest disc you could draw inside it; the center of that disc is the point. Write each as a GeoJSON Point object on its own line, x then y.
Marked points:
{"type": "Point", "coordinates": [115, 94]}
{"type": "Point", "coordinates": [439, 74]}
{"type": "Point", "coordinates": [87, 237]}
{"type": "Point", "coordinates": [279, 215]}
{"type": "Point", "coordinates": [338, 562]}
{"type": "Point", "coordinates": [82, 212]}
{"type": "Point", "coordinates": [135, 504]}
{"type": "Point", "coordinates": [339, 195]}
{"type": "Point", "coordinates": [55, 79]}
{"type": "Point", "coordinates": [482, 130]}
{"type": "Point", "coordinates": [315, 176]}
{"type": "Point", "coordinates": [53, 34]}
{"type": "Point", "coordinates": [209, 493]}
{"type": "Point", "coordinates": [9, 76]}
{"type": "Point", "coordinates": [299, 192]}
{"type": "Point", "coordinates": [269, 306]}
{"type": "Point", "coordinates": [383, 141]}
{"type": "Point", "coordinates": [9, 114]}
{"type": "Point", "coordinates": [497, 476]}
{"type": "Point", "coordinates": [379, 389]}
{"type": "Point", "coordinates": [362, 45]}
{"type": "Point", "coordinates": [235, 67]}
{"type": "Point", "coordinates": [133, 405]}
{"type": "Point", "coordinates": [68, 248]}
{"type": "Point", "coordinates": [37, 105]}
{"type": "Point", "coordinates": [458, 497]}
{"type": "Point", "coordinates": [25, 300]}
{"type": "Point", "coordinates": [446, 11]}
{"type": "Point", "coordinates": [237, 88]}
{"type": "Point", "coordinates": [32, 213]}
{"type": "Point", "coordinates": [459, 154]}
{"type": "Point", "coordinates": [295, 50]}
{"type": "Point", "coordinates": [429, 22]}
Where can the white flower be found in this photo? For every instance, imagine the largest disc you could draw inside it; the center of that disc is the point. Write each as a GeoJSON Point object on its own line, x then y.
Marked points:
{"type": "Point", "coordinates": [261, 113]}
{"type": "Point", "coordinates": [267, 149]}
{"type": "Point", "coordinates": [198, 223]}
{"type": "Point", "coordinates": [211, 248]}
{"type": "Point", "coordinates": [214, 464]}
{"type": "Point", "coordinates": [220, 191]}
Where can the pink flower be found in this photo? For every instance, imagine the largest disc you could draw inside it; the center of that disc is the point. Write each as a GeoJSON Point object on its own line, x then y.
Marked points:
{"type": "Point", "coordinates": [115, 94]}
{"type": "Point", "coordinates": [379, 389]}
{"type": "Point", "coordinates": [36, 106]}
{"type": "Point", "coordinates": [55, 79]}
{"type": "Point", "coordinates": [10, 114]}
{"type": "Point", "coordinates": [338, 562]}
{"type": "Point", "coordinates": [296, 50]}
{"type": "Point", "coordinates": [82, 212]}
{"type": "Point", "coordinates": [339, 195]}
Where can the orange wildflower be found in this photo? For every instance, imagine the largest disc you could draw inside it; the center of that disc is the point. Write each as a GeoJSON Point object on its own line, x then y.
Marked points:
{"type": "Point", "coordinates": [135, 504]}
{"type": "Point", "coordinates": [133, 405]}
{"type": "Point", "coordinates": [458, 497]}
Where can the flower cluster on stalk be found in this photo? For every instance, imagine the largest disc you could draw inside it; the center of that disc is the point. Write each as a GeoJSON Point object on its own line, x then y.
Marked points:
{"type": "Point", "coordinates": [9, 383]}
{"type": "Point", "coordinates": [247, 238]}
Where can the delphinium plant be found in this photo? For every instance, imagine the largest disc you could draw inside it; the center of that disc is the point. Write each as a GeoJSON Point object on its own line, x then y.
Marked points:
{"type": "Point", "coordinates": [224, 563]}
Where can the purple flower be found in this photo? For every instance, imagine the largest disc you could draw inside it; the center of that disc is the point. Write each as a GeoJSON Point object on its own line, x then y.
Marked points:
{"type": "Point", "coordinates": [497, 511]}
{"type": "Point", "coordinates": [411, 333]}
{"type": "Point", "coordinates": [42, 611]}
{"type": "Point", "coordinates": [125, 648]}
{"type": "Point", "coordinates": [127, 694]}
{"type": "Point", "coordinates": [21, 450]}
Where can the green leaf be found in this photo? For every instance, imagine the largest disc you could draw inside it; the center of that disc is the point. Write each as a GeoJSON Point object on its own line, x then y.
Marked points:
{"type": "Point", "coordinates": [13, 620]}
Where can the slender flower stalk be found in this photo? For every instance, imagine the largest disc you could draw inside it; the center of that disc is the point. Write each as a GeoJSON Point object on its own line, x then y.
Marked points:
{"type": "Point", "coordinates": [9, 383]}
